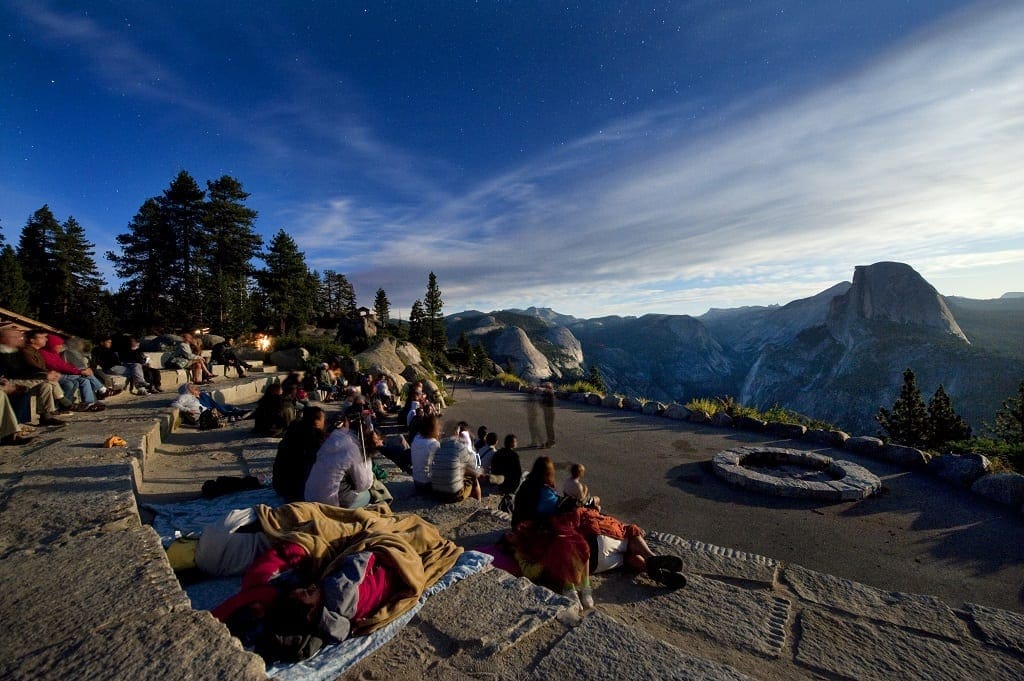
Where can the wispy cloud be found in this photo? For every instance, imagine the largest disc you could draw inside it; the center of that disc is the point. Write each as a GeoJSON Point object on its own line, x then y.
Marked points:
{"type": "Point", "coordinates": [916, 157]}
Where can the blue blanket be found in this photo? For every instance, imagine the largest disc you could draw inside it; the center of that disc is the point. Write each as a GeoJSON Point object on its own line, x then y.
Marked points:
{"type": "Point", "coordinates": [176, 520]}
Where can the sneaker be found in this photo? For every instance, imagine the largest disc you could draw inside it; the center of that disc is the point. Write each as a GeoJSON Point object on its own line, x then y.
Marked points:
{"type": "Point", "coordinates": [587, 598]}
{"type": "Point", "coordinates": [95, 406]}
{"type": "Point", "coordinates": [51, 421]}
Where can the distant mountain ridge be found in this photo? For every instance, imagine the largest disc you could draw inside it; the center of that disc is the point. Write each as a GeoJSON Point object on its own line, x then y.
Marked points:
{"type": "Point", "coordinates": [837, 355]}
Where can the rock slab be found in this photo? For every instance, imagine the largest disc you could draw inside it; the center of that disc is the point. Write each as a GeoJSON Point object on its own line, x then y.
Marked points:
{"type": "Point", "coordinates": [635, 655]}
{"type": "Point", "coordinates": [999, 627]}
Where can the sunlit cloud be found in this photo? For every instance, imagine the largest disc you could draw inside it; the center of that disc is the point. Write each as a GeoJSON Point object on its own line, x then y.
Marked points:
{"type": "Point", "coordinates": [915, 158]}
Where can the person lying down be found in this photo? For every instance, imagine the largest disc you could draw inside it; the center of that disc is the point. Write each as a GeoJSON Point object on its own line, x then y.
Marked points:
{"type": "Point", "coordinates": [314, 573]}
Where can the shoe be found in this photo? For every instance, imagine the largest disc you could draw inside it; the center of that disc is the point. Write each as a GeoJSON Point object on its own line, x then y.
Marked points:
{"type": "Point", "coordinates": [111, 392]}
{"type": "Point", "coordinates": [15, 439]}
{"type": "Point", "coordinates": [51, 422]}
{"type": "Point", "coordinates": [245, 414]}
{"type": "Point", "coordinates": [95, 406]}
{"type": "Point", "coordinates": [587, 598]}
{"type": "Point", "coordinates": [102, 395]}
{"type": "Point", "coordinates": [669, 563]}
{"type": "Point", "coordinates": [674, 580]}
{"type": "Point", "coordinates": [64, 411]}
{"type": "Point", "coordinates": [80, 406]}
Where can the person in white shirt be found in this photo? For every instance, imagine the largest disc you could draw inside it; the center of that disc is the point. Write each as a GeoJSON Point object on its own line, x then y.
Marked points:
{"type": "Point", "coordinates": [343, 472]}
{"type": "Point", "coordinates": [422, 451]}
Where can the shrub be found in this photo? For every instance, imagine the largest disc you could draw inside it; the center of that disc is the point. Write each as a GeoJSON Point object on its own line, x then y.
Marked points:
{"type": "Point", "coordinates": [579, 387]}
{"type": "Point", "coordinates": [707, 404]}
{"type": "Point", "coordinates": [1005, 455]}
{"type": "Point", "coordinates": [506, 377]}
{"type": "Point", "coordinates": [321, 348]}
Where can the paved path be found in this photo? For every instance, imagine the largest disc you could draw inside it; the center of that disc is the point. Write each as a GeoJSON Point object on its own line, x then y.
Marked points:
{"type": "Point", "coordinates": [921, 535]}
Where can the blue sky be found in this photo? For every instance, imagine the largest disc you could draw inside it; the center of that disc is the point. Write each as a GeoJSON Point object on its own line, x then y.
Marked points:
{"type": "Point", "coordinates": [600, 158]}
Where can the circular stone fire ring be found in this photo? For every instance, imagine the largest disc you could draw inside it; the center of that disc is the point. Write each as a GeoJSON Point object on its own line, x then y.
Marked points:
{"type": "Point", "coordinates": [794, 473]}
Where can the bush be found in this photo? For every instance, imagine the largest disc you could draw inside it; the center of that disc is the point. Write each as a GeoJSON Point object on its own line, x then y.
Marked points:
{"type": "Point", "coordinates": [706, 404]}
{"type": "Point", "coordinates": [1002, 454]}
{"type": "Point", "coordinates": [505, 377]}
{"type": "Point", "coordinates": [579, 387]}
{"type": "Point", "coordinates": [321, 348]}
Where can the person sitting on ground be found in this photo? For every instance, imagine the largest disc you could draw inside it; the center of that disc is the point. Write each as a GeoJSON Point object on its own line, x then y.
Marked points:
{"type": "Point", "coordinates": [574, 488]}
{"type": "Point", "coordinates": [274, 412]}
{"type": "Point", "coordinates": [296, 453]}
{"type": "Point", "coordinates": [325, 386]}
{"type": "Point", "coordinates": [453, 472]}
{"type": "Point", "coordinates": [343, 472]}
{"type": "Point", "coordinates": [188, 404]}
{"type": "Point", "coordinates": [481, 439]}
{"type": "Point", "coordinates": [137, 361]}
{"type": "Point", "coordinates": [292, 386]}
{"type": "Point", "coordinates": [382, 391]}
{"type": "Point", "coordinates": [424, 447]}
{"type": "Point", "coordinates": [188, 355]}
{"type": "Point", "coordinates": [506, 469]}
{"type": "Point", "coordinates": [487, 452]}
{"type": "Point", "coordinates": [39, 383]}
{"type": "Point", "coordinates": [230, 411]}
{"type": "Point", "coordinates": [224, 353]}
{"type": "Point", "coordinates": [73, 381]}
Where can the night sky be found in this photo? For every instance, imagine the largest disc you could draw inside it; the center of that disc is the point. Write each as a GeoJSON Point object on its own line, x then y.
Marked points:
{"type": "Point", "coordinates": [600, 158]}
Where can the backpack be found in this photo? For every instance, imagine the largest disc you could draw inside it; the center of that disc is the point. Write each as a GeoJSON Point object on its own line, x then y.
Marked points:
{"type": "Point", "coordinates": [209, 420]}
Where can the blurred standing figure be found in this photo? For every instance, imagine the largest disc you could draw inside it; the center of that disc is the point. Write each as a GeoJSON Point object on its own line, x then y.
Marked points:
{"type": "Point", "coordinates": [547, 401]}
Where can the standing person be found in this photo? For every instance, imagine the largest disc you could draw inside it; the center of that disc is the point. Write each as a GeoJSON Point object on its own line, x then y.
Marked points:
{"type": "Point", "coordinates": [424, 447]}
{"type": "Point", "coordinates": [454, 474]}
{"type": "Point", "coordinates": [547, 402]}
{"type": "Point", "coordinates": [343, 473]}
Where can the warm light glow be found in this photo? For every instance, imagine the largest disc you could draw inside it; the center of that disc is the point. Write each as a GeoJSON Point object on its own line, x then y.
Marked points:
{"type": "Point", "coordinates": [262, 342]}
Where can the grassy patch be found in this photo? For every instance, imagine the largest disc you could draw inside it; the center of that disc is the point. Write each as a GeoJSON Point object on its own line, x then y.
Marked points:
{"type": "Point", "coordinates": [579, 387]}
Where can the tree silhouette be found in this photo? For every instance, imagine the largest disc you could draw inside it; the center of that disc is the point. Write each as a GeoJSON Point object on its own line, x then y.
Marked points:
{"type": "Point", "coordinates": [382, 307]}
{"type": "Point", "coordinates": [907, 423]}
{"type": "Point", "coordinates": [945, 425]}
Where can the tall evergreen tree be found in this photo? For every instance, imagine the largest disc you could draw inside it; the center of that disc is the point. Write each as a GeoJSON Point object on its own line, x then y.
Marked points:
{"type": "Point", "coordinates": [596, 378]}
{"type": "Point", "coordinates": [288, 287]}
{"type": "Point", "coordinates": [1009, 423]}
{"type": "Point", "coordinates": [417, 325]}
{"type": "Point", "coordinates": [907, 423]}
{"type": "Point", "coordinates": [231, 244]}
{"type": "Point", "coordinates": [183, 207]}
{"type": "Point", "coordinates": [464, 348]}
{"type": "Point", "coordinates": [382, 307]}
{"type": "Point", "coordinates": [346, 296]}
{"type": "Point", "coordinates": [434, 328]}
{"type": "Point", "coordinates": [151, 295]}
{"type": "Point", "coordinates": [35, 255]}
{"type": "Point", "coordinates": [13, 288]}
{"type": "Point", "coordinates": [945, 424]}
{"type": "Point", "coordinates": [482, 365]}
{"type": "Point", "coordinates": [75, 279]}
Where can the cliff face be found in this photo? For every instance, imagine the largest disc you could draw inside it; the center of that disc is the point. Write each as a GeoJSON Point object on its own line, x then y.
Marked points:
{"type": "Point", "coordinates": [890, 292]}
{"type": "Point", "coordinates": [838, 355]}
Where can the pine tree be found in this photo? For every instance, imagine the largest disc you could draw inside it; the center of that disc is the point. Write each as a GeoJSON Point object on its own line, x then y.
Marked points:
{"type": "Point", "coordinates": [35, 256]}
{"type": "Point", "coordinates": [417, 326]}
{"type": "Point", "coordinates": [907, 423]}
{"type": "Point", "coordinates": [288, 287]}
{"type": "Point", "coordinates": [596, 379]}
{"type": "Point", "coordinates": [347, 304]}
{"type": "Point", "coordinates": [482, 365]}
{"type": "Point", "coordinates": [150, 295]}
{"type": "Point", "coordinates": [231, 243]}
{"type": "Point", "coordinates": [945, 425]}
{"type": "Point", "coordinates": [183, 207]}
{"type": "Point", "coordinates": [434, 330]}
{"type": "Point", "coordinates": [76, 280]}
{"type": "Point", "coordinates": [382, 307]}
{"type": "Point", "coordinates": [465, 350]}
{"type": "Point", "coordinates": [1009, 424]}
{"type": "Point", "coordinates": [13, 288]}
